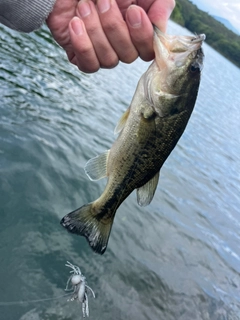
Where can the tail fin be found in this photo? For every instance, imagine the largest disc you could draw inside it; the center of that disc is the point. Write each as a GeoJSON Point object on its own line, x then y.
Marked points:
{"type": "Point", "coordinates": [94, 227]}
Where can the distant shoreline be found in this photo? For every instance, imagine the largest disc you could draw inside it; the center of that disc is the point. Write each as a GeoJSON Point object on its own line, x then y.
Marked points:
{"type": "Point", "coordinates": [219, 37]}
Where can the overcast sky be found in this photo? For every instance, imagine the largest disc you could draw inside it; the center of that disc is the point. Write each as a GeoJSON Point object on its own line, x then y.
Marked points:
{"type": "Point", "coordinates": [228, 9]}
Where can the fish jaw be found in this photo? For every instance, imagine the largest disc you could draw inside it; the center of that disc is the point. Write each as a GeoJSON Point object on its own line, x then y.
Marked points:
{"type": "Point", "coordinates": [173, 51]}
{"type": "Point", "coordinates": [174, 76]}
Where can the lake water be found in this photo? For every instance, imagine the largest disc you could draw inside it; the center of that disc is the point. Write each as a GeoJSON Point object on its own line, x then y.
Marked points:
{"type": "Point", "coordinates": [178, 258]}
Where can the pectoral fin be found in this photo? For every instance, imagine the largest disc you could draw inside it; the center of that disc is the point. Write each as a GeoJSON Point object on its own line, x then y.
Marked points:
{"type": "Point", "coordinates": [146, 192]}
{"type": "Point", "coordinates": [96, 168]}
{"type": "Point", "coordinates": [122, 122]}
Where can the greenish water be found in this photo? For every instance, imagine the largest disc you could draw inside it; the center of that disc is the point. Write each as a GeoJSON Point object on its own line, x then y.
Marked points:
{"type": "Point", "coordinates": [178, 258]}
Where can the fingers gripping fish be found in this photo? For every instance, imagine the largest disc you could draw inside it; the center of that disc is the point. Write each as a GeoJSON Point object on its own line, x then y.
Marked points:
{"type": "Point", "coordinates": [147, 133]}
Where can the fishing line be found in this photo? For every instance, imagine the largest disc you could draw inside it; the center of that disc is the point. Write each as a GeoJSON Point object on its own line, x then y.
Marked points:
{"type": "Point", "coordinates": [78, 289]}
{"type": "Point", "coordinates": [12, 303]}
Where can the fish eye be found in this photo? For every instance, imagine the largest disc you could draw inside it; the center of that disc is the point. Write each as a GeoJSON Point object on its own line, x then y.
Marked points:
{"type": "Point", "coordinates": [194, 68]}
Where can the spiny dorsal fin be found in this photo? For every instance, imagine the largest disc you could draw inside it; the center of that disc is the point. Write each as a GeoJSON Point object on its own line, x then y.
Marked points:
{"type": "Point", "coordinates": [146, 192]}
{"type": "Point", "coordinates": [96, 168]}
{"type": "Point", "coordinates": [122, 122]}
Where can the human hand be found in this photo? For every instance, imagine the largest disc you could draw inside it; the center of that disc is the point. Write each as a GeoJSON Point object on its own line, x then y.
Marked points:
{"type": "Point", "coordinates": [100, 33]}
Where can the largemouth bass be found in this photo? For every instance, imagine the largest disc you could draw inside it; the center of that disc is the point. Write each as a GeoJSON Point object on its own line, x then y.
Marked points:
{"type": "Point", "coordinates": [147, 133]}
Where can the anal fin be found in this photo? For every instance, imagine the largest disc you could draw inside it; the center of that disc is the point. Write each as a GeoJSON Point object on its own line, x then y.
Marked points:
{"type": "Point", "coordinates": [146, 192]}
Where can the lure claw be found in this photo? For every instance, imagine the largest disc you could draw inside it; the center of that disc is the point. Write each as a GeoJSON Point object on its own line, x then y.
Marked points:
{"type": "Point", "coordinates": [78, 287]}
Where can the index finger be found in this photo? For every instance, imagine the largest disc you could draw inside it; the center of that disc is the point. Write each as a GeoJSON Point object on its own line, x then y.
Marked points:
{"type": "Point", "coordinates": [116, 30]}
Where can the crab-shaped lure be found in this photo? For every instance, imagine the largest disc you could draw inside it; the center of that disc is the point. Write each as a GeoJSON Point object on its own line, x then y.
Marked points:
{"type": "Point", "coordinates": [77, 284]}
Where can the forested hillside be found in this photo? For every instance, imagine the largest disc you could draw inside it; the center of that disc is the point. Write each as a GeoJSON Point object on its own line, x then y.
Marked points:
{"type": "Point", "coordinates": [218, 36]}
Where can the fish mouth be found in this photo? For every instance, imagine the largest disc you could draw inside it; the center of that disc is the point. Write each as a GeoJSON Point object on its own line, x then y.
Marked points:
{"type": "Point", "coordinates": [177, 49]}
{"type": "Point", "coordinates": [179, 43]}
{"type": "Point", "coordinates": [199, 38]}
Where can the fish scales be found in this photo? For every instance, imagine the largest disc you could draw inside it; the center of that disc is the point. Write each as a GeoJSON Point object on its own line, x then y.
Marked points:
{"type": "Point", "coordinates": [148, 132]}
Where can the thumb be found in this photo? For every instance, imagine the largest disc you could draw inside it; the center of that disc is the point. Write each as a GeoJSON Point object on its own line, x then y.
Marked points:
{"type": "Point", "coordinates": [160, 12]}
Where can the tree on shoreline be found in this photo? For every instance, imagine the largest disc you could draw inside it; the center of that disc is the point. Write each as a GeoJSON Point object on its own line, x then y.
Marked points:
{"type": "Point", "coordinates": [219, 37]}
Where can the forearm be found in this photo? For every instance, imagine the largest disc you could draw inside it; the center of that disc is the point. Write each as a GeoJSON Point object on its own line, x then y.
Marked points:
{"type": "Point", "coordinates": [25, 15]}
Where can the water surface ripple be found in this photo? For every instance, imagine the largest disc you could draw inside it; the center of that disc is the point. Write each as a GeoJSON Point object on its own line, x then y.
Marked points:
{"type": "Point", "coordinates": [178, 258]}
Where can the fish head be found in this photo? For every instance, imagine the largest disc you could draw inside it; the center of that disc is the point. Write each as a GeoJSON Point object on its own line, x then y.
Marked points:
{"type": "Point", "coordinates": [177, 66]}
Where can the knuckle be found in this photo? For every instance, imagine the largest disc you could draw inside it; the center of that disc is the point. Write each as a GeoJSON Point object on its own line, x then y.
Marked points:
{"type": "Point", "coordinates": [88, 64]}
{"type": "Point", "coordinates": [111, 26]}
{"type": "Point", "coordinates": [142, 40]}
{"type": "Point", "coordinates": [129, 57]}
{"type": "Point", "coordinates": [85, 50]}
{"type": "Point", "coordinates": [91, 28]}
{"type": "Point", "coordinates": [110, 63]}
{"type": "Point", "coordinates": [88, 69]}
{"type": "Point", "coordinates": [128, 60]}
{"type": "Point", "coordinates": [147, 56]}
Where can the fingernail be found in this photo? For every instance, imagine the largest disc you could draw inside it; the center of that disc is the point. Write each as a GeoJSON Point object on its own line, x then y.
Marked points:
{"type": "Point", "coordinates": [134, 16]}
{"type": "Point", "coordinates": [84, 9]}
{"type": "Point", "coordinates": [77, 26]}
{"type": "Point", "coordinates": [103, 5]}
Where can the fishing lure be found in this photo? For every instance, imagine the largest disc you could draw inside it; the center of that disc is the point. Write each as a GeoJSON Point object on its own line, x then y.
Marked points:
{"type": "Point", "coordinates": [77, 284]}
